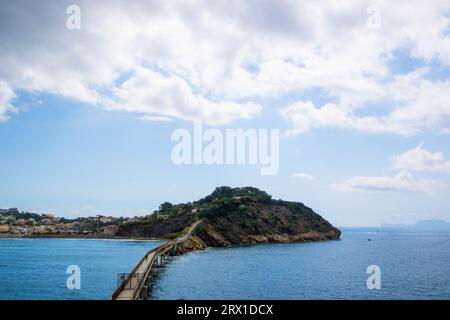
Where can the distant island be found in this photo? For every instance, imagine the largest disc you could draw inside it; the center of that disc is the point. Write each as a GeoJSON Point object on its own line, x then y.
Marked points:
{"type": "Point", "coordinates": [227, 216]}
{"type": "Point", "coordinates": [432, 225]}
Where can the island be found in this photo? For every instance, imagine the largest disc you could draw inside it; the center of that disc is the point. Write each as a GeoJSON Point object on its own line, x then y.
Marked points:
{"type": "Point", "coordinates": [230, 216]}
{"type": "Point", "coordinates": [227, 216]}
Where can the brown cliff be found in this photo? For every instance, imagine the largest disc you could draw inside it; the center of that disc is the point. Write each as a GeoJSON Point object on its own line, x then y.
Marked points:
{"type": "Point", "coordinates": [233, 216]}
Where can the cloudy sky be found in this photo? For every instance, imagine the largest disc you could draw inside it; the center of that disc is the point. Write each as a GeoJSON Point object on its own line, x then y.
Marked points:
{"type": "Point", "coordinates": [360, 92]}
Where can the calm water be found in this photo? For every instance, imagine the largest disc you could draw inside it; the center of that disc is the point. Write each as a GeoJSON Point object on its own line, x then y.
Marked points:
{"type": "Point", "coordinates": [36, 268]}
{"type": "Point", "coordinates": [413, 266]}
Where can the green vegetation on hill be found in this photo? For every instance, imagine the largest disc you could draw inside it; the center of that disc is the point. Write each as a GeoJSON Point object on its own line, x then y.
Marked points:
{"type": "Point", "coordinates": [234, 215]}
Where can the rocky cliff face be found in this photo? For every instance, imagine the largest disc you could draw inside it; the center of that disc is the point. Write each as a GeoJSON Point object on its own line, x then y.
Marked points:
{"type": "Point", "coordinates": [272, 222]}
{"type": "Point", "coordinates": [234, 216]}
{"type": "Point", "coordinates": [191, 244]}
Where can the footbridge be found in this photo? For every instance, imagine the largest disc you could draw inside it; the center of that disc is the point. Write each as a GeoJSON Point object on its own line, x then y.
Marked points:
{"type": "Point", "coordinates": [136, 284]}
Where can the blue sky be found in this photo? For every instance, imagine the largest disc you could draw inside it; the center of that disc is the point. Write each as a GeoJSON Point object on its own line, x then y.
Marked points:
{"type": "Point", "coordinates": [368, 123]}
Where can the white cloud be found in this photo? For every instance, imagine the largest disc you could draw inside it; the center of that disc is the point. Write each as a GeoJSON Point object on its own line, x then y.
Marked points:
{"type": "Point", "coordinates": [419, 159]}
{"type": "Point", "coordinates": [6, 95]}
{"type": "Point", "coordinates": [305, 116]}
{"type": "Point", "coordinates": [155, 119]}
{"type": "Point", "coordinates": [419, 104]}
{"type": "Point", "coordinates": [302, 175]}
{"type": "Point", "coordinates": [219, 55]}
{"type": "Point", "coordinates": [416, 159]}
{"type": "Point", "coordinates": [403, 181]}
{"type": "Point", "coordinates": [149, 92]}
{"type": "Point", "coordinates": [425, 106]}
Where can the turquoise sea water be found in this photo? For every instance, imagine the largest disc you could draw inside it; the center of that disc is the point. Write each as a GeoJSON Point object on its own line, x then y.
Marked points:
{"type": "Point", "coordinates": [413, 266]}
{"type": "Point", "coordinates": [36, 268]}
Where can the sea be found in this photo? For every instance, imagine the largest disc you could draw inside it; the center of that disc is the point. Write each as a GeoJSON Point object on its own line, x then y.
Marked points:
{"type": "Point", "coordinates": [364, 264]}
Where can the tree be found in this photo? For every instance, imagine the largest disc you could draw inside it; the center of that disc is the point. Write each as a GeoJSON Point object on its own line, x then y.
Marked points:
{"type": "Point", "coordinates": [164, 207]}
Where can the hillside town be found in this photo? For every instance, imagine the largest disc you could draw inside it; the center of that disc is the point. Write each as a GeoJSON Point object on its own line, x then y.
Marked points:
{"type": "Point", "coordinates": [22, 224]}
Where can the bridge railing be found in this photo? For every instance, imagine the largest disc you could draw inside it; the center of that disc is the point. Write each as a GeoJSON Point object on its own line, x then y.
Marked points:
{"type": "Point", "coordinates": [156, 254]}
{"type": "Point", "coordinates": [129, 285]}
{"type": "Point", "coordinates": [127, 280]}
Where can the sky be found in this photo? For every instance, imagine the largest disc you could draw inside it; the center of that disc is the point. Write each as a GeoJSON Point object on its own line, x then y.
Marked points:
{"type": "Point", "coordinates": [359, 91]}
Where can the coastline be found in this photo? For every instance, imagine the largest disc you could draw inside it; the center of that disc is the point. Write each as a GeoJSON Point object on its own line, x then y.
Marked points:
{"type": "Point", "coordinates": [182, 249]}
{"type": "Point", "coordinates": [76, 236]}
